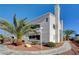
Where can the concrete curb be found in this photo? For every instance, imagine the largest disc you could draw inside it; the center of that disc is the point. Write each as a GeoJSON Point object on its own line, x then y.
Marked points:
{"type": "Point", "coordinates": [65, 47]}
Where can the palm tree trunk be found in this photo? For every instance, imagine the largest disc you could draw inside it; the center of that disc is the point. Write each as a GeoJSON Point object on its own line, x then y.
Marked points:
{"type": "Point", "coordinates": [19, 41]}
{"type": "Point", "coordinates": [67, 37]}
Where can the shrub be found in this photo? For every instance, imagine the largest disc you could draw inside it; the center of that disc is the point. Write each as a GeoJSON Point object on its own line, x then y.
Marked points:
{"type": "Point", "coordinates": [34, 42]}
{"type": "Point", "coordinates": [77, 41]}
{"type": "Point", "coordinates": [1, 36]}
{"type": "Point", "coordinates": [1, 39]}
{"type": "Point", "coordinates": [50, 44]}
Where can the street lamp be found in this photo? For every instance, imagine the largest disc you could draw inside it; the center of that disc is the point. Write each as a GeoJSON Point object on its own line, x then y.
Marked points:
{"type": "Point", "coordinates": [41, 28]}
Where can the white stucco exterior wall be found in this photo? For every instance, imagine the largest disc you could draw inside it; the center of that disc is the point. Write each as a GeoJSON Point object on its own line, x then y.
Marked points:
{"type": "Point", "coordinates": [48, 32]}
{"type": "Point", "coordinates": [45, 31]}
{"type": "Point", "coordinates": [58, 24]}
{"type": "Point", "coordinates": [51, 29]}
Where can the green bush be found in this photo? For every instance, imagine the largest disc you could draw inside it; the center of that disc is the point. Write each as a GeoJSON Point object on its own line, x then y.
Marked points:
{"type": "Point", "coordinates": [77, 41]}
{"type": "Point", "coordinates": [1, 36]}
{"type": "Point", "coordinates": [50, 44]}
{"type": "Point", "coordinates": [34, 42]}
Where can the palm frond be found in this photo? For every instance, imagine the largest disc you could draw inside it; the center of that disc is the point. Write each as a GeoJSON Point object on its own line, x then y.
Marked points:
{"type": "Point", "coordinates": [21, 24]}
{"type": "Point", "coordinates": [69, 32]}
{"type": "Point", "coordinates": [6, 26]}
{"type": "Point", "coordinates": [15, 21]}
{"type": "Point", "coordinates": [28, 28]}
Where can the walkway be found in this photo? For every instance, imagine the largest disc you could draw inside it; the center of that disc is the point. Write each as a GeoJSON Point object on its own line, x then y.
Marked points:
{"type": "Point", "coordinates": [65, 47]}
{"type": "Point", "coordinates": [73, 51]}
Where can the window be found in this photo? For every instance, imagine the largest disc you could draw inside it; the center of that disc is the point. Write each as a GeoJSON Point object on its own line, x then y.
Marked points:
{"type": "Point", "coordinates": [46, 19]}
{"type": "Point", "coordinates": [54, 26]}
{"type": "Point", "coordinates": [36, 37]}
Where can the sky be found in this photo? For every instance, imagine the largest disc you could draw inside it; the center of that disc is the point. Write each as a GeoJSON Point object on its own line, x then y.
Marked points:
{"type": "Point", "coordinates": [70, 16]}
{"type": "Point", "coordinates": [69, 13]}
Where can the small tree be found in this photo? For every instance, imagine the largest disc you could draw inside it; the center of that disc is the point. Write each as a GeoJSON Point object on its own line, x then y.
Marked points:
{"type": "Point", "coordinates": [68, 33]}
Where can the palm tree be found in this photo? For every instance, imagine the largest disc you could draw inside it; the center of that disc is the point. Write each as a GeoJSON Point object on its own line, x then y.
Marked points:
{"type": "Point", "coordinates": [68, 33]}
{"type": "Point", "coordinates": [19, 28]}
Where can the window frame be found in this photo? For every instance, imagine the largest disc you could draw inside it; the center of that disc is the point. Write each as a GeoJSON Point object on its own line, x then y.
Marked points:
{"type": "Point", "coordinates": [47, 19]}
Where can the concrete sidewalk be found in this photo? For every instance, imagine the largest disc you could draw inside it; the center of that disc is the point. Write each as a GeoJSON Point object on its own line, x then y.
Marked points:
{"type": "Point", "coordinates": [65, 47]}
{"type": "Point", "coordinates": [73, 51]}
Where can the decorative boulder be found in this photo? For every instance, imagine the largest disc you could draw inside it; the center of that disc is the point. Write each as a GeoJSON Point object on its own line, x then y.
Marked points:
{"type": "Point", "coordinates": [28, 45]}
